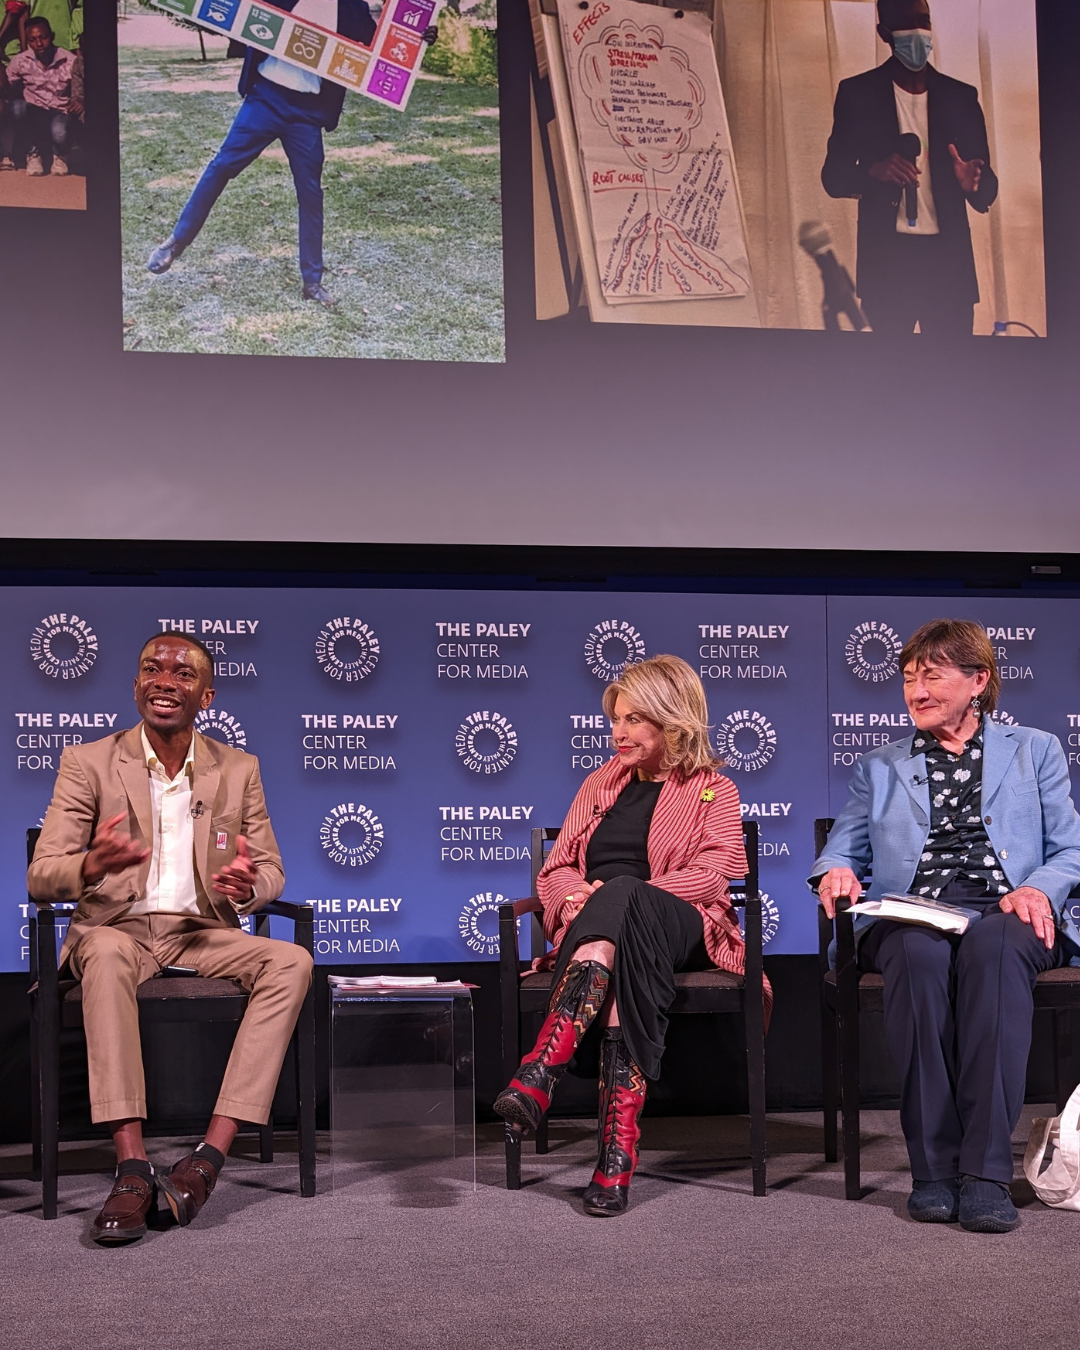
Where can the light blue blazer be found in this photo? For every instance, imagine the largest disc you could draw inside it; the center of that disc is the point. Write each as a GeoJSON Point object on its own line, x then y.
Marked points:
{"type": "Point", "coordinates": [1028, 812]}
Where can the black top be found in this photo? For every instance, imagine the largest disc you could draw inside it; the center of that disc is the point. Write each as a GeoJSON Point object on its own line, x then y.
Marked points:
{"type": "Point", "coordinates": [958, 845]}
{"type": "Point", "coordinates": [620, 843]}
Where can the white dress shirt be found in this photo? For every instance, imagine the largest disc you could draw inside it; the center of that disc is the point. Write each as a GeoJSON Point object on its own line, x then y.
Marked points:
{"type": "Point", "coordinates": [323, 12]}
{"type": "Point", "coordinates": [911, 113]}
{"type": "Point", "coordinates": [171, 886]}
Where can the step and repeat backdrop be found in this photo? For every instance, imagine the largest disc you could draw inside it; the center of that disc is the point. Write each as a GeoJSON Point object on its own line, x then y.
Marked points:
{"type": "Point", "coordinates": [410, 740]}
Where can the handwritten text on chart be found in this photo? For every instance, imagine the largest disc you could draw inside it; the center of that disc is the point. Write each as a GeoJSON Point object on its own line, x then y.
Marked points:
{"type": "Point", "coordinates": [656, 150]}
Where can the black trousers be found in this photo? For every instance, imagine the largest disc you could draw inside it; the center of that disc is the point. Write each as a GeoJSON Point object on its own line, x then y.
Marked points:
{"type": "Point", "coordinates": [922, 290]}
{"type": "Point", "coordinates": [958, 1022]}
{"type": "Point", "coordinates": [655, 934]}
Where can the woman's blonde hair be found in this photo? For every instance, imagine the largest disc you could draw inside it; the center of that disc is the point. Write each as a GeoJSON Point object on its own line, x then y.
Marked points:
{"type": "Point", "coordinates": [666, 691]}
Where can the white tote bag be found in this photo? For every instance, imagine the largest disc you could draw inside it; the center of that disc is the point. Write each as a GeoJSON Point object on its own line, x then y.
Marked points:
{"type": "Point", "coordinates": [1059, 1184]}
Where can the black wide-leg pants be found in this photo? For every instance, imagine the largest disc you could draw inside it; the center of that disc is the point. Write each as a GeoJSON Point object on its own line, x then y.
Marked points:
{"type": "Point", "coordinates": [655, 934]}
{"type": "Point", "coordinates": [958, 1016]}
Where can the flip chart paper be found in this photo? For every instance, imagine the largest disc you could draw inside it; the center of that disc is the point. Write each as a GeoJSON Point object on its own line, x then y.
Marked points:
{"type": "Point", "coordinates": [656, 152]}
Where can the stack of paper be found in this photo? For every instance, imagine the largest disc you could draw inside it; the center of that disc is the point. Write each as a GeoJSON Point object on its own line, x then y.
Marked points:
{"type": "Point", "coordinates": [389, 982]}
{"type": "Point", "coordinates": [918, 909]}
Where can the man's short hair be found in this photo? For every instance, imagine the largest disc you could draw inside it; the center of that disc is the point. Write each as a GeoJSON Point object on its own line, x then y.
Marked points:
{"type": "Point", "coordinates": [189, 641]}
{"type": "Point", "coordinates": [40, 23]}
{"type": "Point", "coordinates": [894, 13]}
{"type": "Point", "coordinates": [955, 642]}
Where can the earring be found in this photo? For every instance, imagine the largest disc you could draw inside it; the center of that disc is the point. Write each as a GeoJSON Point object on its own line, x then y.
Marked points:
{"type": "Point", "coordinates": [976, 705]}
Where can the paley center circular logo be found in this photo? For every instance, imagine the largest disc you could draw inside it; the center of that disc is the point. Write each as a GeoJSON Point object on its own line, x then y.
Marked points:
{"type": "Point", "coordinates": [347, 650]}
{"type": "Point", "coordinates": [770, 919]}
{"type": "Point", "coordinates": [1003, 718]}
{"type": "Point", "coordinates": [486, 742]}
{"type": "Point", "coordinates": [221, 726]}
{"type": "Point", "coordinates": [611, 647]}
{"type": "Point", "coordinates": [352, 834]}
{"type": "Point", "coordinates": [746, 740]}
{"type": "Point", "coordinates": [478, 922]}
{"type": "Point", "coordinates": [63, 646]}
{"type": "Point", "coordinates": [873, 651]}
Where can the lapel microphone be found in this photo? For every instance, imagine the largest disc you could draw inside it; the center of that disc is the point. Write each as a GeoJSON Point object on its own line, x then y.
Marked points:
{"type": "Point", "coordinates": [196, 811]}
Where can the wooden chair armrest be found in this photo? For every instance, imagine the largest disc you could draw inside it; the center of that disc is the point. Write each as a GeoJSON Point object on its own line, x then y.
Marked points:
{"type": "Point", "coordinates": [52, 904]}
{"type": "Point", "coordinates": [303, 920]}
{"type": "Point", "coordinates": [287, 909]}
{"type": "Point", "coordinates": [847, 970]}
{"type": "Point", "coordinates": [530, 905]}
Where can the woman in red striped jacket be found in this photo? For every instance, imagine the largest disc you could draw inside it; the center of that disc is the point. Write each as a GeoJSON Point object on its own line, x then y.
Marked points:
{"type": "Point", "coordinates": [635, 889]}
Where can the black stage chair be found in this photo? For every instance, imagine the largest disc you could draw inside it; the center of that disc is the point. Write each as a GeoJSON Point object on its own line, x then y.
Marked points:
{"type": "Point", "coordinates": [845, 993]}
{"type": "Point", "coordinates": [697, 991]}
{"type": "Point", "coordinates": [56, 1004]}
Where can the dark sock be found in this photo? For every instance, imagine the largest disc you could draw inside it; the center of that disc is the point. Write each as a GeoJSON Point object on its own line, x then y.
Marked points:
{"type": "Point", "coordinates": [212, 1156]}
{"type": "Point", "coordinates": [134, 1167]}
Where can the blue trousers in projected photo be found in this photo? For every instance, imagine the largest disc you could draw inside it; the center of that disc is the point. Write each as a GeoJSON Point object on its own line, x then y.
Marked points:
{"type": "Point", "coordinates": [266, 116]}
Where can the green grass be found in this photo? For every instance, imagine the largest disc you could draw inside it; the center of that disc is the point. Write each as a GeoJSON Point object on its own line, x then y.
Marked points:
{"type": "Point", "coordinates": [413, 241]}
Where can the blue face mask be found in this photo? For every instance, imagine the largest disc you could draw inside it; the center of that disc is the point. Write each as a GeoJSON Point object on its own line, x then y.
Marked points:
{"type": "Point", "coordinates": [912, 47]}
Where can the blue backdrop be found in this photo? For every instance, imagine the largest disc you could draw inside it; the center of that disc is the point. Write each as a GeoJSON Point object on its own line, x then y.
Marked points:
{"type": "Point", "coordinates": [409, 740]}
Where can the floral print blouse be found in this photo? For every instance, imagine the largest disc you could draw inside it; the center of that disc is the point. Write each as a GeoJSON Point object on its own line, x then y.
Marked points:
{"type": "Point", "coordinates": [958, 844]}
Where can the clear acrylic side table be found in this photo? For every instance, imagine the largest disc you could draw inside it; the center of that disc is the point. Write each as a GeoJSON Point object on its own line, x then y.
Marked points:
{"type": "Point", "coordinates": [402, 1084]}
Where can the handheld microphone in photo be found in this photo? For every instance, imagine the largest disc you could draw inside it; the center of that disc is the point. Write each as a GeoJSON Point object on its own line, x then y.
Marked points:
{"type": "Point", "coordinates": [910, 147]}
{"type": "Point", "coordinates": [839, 298]}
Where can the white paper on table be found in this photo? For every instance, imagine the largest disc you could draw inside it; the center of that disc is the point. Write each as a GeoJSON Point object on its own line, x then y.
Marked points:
{"type": "Point", "coordinates": [656, 152]}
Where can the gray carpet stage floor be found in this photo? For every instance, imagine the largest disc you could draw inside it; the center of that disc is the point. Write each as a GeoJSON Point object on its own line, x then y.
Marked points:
{"type": "Point", "coordinates": [410, 1260]}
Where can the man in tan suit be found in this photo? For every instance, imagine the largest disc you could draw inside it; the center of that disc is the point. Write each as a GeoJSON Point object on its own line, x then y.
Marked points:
{"type": "Point", "coordinates": [163, 838]}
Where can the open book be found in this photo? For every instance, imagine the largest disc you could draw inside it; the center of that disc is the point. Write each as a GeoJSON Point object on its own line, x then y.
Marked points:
{"type": "Point", "coordinates": [919, 909]}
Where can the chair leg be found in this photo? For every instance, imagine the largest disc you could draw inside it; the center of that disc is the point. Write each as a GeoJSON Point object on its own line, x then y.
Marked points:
{"type": "Point", "coordinates": [266, 1142]}
{"type": "Point", "coordinates": [48, 1090]}
{"type": "Point", "coordinates": [1063, 1057]}
{"type": "Point", "coordinates": [513, 1159]}
{"type": "Point", "coordinates": [849, 1104]}
{"type": "Point", "coordinates": [304, 1063]}
{"type": "Point", "coordinates": [542, 1136]}
{"type": "Point", "coordinates": [35, 1093]}
{"type": "Point", "coordinates": [829, 1080]}
{"type": "Point", "coordinates": [755, 1085]}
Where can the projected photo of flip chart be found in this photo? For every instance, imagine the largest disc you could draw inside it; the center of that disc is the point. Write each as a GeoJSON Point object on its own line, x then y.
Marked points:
{"type": "Point", "coordinates": [656, 152]}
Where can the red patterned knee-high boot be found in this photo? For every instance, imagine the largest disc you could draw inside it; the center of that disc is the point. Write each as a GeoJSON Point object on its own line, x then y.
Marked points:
{"type": "Point", "coordinates": [576, 1000]}
{"type": "Point", "coordinates": [622, 1096]}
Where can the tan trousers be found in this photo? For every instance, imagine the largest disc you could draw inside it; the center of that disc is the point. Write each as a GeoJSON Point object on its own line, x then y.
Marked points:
{"type": "Point", "coordinates": [112, 961]}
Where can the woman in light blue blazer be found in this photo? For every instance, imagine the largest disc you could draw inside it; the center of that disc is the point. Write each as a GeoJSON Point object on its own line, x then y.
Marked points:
{"type": "Point", "coordinates": [972, 812]}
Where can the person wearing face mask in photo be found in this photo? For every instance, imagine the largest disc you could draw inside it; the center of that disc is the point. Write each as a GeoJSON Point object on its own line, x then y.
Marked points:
{"type": "Point", "coordinates": [635, 888]}
{"type": "Point", "coordinates": [915, 261]}
{"type": "Point", "coordinates": [973, 813]}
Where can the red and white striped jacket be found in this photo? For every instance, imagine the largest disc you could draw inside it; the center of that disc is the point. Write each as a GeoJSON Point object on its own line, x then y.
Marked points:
{"type": "Point", "coordinates": [695, 848]}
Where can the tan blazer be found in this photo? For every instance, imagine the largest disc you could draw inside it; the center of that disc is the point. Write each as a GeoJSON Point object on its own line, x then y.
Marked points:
{"type": "Point", "coordinates": [109, 777]}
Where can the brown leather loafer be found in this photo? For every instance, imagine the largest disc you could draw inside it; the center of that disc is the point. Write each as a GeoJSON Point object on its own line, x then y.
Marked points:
{"type": "Point", "coordinates": [187, 1187]}
{"type": "Point", "coordinates": [123, 1216]}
